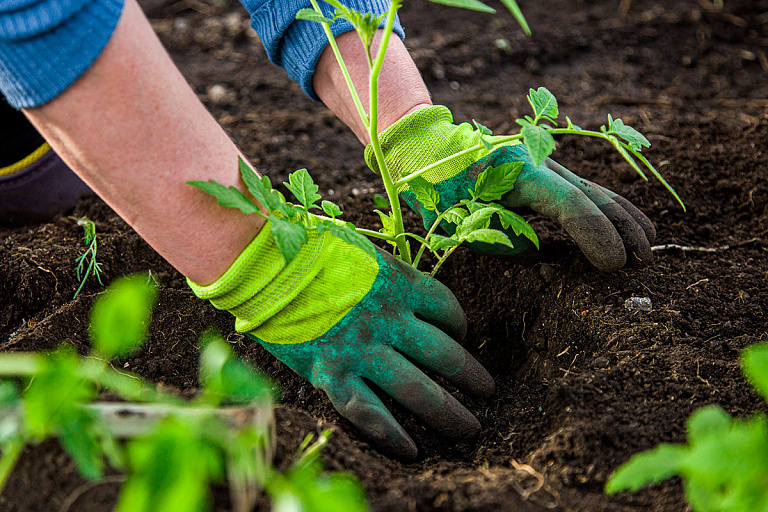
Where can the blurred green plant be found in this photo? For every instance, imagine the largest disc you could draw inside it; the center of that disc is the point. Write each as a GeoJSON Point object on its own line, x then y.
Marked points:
{"type": "Point", "coordinates": [724, 465]}
{"type": "Point", "coordinates": [172, 450]}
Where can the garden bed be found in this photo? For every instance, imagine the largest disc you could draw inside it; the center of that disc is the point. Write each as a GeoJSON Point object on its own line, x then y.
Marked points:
{"type": "Point", "coordinates": [582, 382]}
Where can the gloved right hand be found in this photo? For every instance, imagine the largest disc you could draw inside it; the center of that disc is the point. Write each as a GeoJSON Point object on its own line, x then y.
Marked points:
{"type": "Point", "coordinates": [340, 317]}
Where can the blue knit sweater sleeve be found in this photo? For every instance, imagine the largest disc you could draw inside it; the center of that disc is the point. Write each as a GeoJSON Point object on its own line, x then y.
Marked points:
{"type": "Point", "coordinates": [296, 45]}
{"type": "Point", "coordinates": [45, 45]}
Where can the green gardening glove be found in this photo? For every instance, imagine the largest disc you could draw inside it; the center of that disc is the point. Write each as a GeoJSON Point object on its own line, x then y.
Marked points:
{"type": "Point", "coordinates": [610, 230]}
{"type": "Point", "coordinates": [340, 317]}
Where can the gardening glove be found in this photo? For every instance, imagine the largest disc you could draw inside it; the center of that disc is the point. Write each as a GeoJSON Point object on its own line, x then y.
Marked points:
{"type": "Point", "coordinates": [341, 318]}
{"type": "Point", "coordinates": [610, 230]}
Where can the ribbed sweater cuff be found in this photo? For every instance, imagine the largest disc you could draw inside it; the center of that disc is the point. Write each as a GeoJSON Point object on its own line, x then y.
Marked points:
{"type": "Point", "coordinates": [296, 45]}
{"type": "Point", "coordinates": [45, 48]}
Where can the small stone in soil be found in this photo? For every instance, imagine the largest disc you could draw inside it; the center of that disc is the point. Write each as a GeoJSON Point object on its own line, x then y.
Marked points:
{"type": "Point", "coordinates": [639, 303]}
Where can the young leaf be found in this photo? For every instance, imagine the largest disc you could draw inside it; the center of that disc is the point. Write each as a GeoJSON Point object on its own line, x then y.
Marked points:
{"type": "Point", "coordinates": [572, 126]}
{"type": "Point", "coordinates": [474, 5]}
{"type": "Point", "coordinates": [539, 141]}
{"type": "Point", "coordinates": [301, 185]}
{"type": "Point", "coordinates": [513, 8]}
{"type": "Point", "coordinates": [484, 130]}
{"type": "Point", "coordinates": [489, 236]}
{"type": "Point", "coordinates": [754, 364]}
{"type": "Point", "coordinates": [518, 224]}
{"type": "Point", "coordinates": [229, 197]}
{"type": "Point", "coordinates": [288, 235]}
{"type": "Point", "coordinates": [380, 201]}
{"type": "Point", "coordinates": [438, 242]}
{"type": "Point", "coordinates": [494, 182]}
{"type": "Point", "coordinates": [260, 188]}
{"type": "Point", "coordinates": [478, 220]}
{"type": "Point", "coordinates": [312, 15]}
{"type": "Point", "coordinates": [387, 224]}
{"type": "Point", "coordinates": [330, 209]}
{"type": "Point", "coordinates": [456, 215]}
{"type": "Point", "coordinates": [636, 140]}
{"type": "Point", "coordinates": [425, 193]}
{"type": "Point", "coordinates": [352, 237]}
{"type": "Point", "coordinates": [543, 102]}
{"type": "Point", "coordinates": [120, 316]}
{"type": "Point", "coordinates": [649, 467]}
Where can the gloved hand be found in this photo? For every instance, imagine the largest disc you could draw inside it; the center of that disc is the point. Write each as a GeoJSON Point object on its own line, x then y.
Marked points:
{"type": "Point", "coordinates": [336, 315]}
{"type": "Point", "coordinates": [610, 230]}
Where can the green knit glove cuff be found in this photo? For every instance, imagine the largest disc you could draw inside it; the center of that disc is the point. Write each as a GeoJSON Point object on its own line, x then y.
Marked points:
{"type": "Point", "coordinates": [260, 283]}
{"type": "Point", "coordinates": [422, 138]}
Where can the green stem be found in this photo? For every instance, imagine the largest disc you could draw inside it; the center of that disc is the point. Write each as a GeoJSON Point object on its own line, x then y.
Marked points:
{"type": "Point", "coordinates": [375, 234]}
{"type": "Point", "coordinates": [442, 260]}
{"type": "Point", "coordinates": [8, 461]}
{"type": "Point", "coordinates": [432, 229]}
{"type": "Point", "coordinates": [394, 199]}
{"type": "Point", "coordinates": [405, 179]}
{"type": "Point", "coordinates": [342, 66]}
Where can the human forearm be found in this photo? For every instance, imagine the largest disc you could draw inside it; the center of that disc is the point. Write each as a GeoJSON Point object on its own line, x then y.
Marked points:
{"type": "Point", "coordinates": [401, 88]}
{"type": "Point", "coordinates": [134, 130]}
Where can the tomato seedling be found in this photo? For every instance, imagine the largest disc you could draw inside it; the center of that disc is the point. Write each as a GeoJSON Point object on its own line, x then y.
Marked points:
{"type": "Point", "coordinates": [471, 218]}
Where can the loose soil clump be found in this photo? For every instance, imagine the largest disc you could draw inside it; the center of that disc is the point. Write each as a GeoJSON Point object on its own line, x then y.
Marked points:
{"type": "Point", "coordinates": [582, 382]}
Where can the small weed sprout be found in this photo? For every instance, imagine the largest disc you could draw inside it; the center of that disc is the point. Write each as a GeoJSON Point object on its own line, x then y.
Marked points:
{"type": "Point", "coordinates": [471, 217]}
{"type": "Point", "coordinates": [86, 263]}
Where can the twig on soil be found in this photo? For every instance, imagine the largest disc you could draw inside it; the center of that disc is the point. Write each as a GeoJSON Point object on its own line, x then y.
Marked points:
{"type": "Point", "coordinates": [705, 280]}
{"type": "Point", "coordinates": [693, 248]}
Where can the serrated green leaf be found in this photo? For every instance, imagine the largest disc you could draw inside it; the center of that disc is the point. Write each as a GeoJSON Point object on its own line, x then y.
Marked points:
{"type": "Point", "coordinates": [425, 193]}
{"type": "Point", "coordinates": [649, 467]}
{"type": "Point", "coordinates": [754, 364]}
{"type": "Point", "coordinates": [439, 242]}
{"type": "Point", "coordinates": [543, 103]}
{"type": "Point", "coordinates": [312, 15]}
{"type": "Point", "coordinates": [494, 182]}
{"type": "Point", "coordinates": [456, 215]}
{"type": "Point", "coordinates": [473, 5]}
{"type": "Point", "coordinates": [302, 186]}
{"type": "Point", "coordinates": [289, 236]}
{"type": "Point", "coordinates": [517, 223]}
{"type": "Point", "coordinates": [539, 142]}
{"type": "Point", "coordinates": [633, 137]}
{"type": "Point", "coordinates": [489, 236]}
{"type": "Point", "coordinates": [261, 188]}
{"type": "Point", "coordinates": [331, 209]}
{"type": "Point", "coordinates": [380, 201]}
{"type": "Point", "coordinates": [480, 219]}
{"type": "Point", "coordinates": [513, 8]}
{"type": "Point", "coordinates": [120, 316]}
{"type": "Point", "coordinates": [354, 238]}
{"type": "Point", "coordinates": [230, 197]}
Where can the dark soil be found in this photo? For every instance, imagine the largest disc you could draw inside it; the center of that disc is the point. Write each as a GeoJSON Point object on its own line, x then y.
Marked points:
{"type": "Point", "coordinates": [582, 382]}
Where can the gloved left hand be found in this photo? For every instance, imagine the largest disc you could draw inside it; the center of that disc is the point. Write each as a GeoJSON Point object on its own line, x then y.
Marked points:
{"type": "Point", "coordinates": [343, 318]}
{"type": "Point", "coordinates": [610, 230]}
